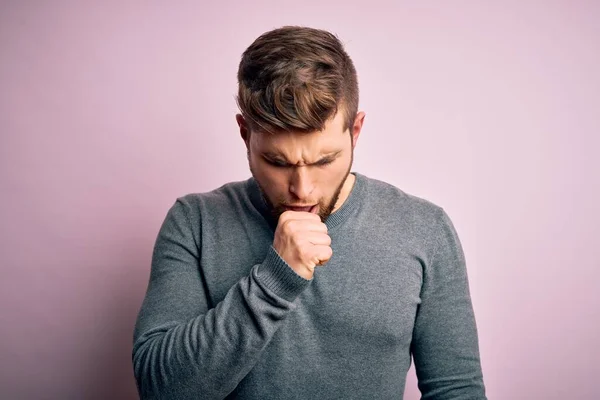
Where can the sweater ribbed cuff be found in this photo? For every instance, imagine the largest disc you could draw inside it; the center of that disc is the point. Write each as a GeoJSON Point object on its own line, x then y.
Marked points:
{"type": "Point", "coordinates": [279, 277]}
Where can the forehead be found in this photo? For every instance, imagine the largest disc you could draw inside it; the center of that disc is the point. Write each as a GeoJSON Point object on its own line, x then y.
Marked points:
{"type": "Point", "coordinates": [332, 138]}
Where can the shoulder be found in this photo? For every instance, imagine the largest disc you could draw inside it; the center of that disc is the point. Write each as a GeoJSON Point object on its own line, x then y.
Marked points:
{"type": "Point", "coordinates": [386, 196]}
{"type": "Point", "coordinates": [227, 193]}
{"type": "Point", "coordinates": [398, 211]}
{"type": "Point", "coordinates": [198, 205]}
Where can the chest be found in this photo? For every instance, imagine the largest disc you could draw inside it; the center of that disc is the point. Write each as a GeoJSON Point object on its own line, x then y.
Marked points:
{"type": "Point", "coordinates": [368, 290]}
{"type": "Point", "coordinates": [366, 293]}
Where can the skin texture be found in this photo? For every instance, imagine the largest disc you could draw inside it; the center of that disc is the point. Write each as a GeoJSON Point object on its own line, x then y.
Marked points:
{"type": "Point", "coordinates": [310, 171]}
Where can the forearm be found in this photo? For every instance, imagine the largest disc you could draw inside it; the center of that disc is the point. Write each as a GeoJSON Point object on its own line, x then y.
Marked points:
{"type": "Point", "coordinates": [208, 355]}
{"type": "Point", "coordinates": [447, 360]}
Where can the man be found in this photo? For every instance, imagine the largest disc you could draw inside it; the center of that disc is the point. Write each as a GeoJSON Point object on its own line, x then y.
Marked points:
{"type": "Point", "coordinates": [236, 307]}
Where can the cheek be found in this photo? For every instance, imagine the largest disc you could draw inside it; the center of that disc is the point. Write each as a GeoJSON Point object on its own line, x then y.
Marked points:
{"type": "Point", "coordinates": [273, 181]}
{"type": "Point", "coordinates": [337, 172]}
{"type": "Point", "coordinates": [328, 182]}
{"type": "Point", "coordinates": [275, 177]}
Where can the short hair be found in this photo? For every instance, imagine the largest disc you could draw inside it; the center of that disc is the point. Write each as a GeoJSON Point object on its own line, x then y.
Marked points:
{"type": "Point", "coordinates": [295, 79]}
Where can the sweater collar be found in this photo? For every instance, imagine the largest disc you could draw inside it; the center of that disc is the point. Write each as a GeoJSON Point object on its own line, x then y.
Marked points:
{"type": "Point", "coordinates": [336, 218]}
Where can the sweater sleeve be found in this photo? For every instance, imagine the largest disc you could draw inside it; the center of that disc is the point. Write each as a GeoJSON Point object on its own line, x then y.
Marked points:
{"type": "Point", "coordinates": [181, 348]}
{"type": "Point", "coordinates": [445, 343]}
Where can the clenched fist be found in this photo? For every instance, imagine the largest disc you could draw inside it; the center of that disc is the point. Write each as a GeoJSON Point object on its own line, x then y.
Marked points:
{"type": "Point", "coordinates": [301, 239]}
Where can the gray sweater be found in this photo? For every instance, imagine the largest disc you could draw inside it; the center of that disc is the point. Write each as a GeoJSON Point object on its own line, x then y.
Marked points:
{"type": "Point", "coordinates": [225, 317]}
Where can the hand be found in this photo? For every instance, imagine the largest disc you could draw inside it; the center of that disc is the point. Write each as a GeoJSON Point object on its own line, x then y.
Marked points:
{"type": "Point", "coordinates": [301, 239]}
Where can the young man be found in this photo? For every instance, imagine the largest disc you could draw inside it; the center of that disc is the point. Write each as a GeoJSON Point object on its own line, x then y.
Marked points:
{"type": "Point", "coordinates": [236, 307]}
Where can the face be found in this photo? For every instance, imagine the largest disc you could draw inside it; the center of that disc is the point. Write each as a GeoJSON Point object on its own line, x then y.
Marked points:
{"type": "Point", "coordinates": [308, 170]}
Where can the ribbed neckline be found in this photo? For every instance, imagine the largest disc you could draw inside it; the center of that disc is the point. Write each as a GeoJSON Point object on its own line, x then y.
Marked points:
{"type": "Point", "coordinates": [335, 219]}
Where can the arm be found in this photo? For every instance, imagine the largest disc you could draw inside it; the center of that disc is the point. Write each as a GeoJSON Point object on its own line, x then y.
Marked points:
{"type": "Point", "coordinates": [182, 349]}
{"type": "Point", "coordinates": [445, 344]}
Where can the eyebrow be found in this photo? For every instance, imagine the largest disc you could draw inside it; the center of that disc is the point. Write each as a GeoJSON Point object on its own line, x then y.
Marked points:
{"type": "Point", "coordinates": [271, 156]}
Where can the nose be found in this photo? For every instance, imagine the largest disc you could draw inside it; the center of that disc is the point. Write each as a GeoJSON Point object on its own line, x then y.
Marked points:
{"type": "Point", "coordinates": [301, 184]}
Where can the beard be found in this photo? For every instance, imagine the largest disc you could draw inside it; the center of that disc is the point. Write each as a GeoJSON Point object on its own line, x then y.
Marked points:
{"type": "Point", "coordinates": [325, 208]}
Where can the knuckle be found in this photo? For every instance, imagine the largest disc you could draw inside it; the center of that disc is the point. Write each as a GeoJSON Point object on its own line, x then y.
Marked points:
{"type": "Point", "coordinates": [291, 225]}
{"type": "Point", "coordinates": [286, 224]}
{"type": "Point", "coordinates": [283, 217]}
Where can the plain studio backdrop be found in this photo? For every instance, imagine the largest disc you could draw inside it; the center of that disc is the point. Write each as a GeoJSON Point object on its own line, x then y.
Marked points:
{"type": "Point", "coordinates": [111, 110]}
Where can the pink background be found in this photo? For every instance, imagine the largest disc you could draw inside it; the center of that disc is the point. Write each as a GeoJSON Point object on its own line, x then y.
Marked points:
{"type": "Point", "coordinates": [109, 112]}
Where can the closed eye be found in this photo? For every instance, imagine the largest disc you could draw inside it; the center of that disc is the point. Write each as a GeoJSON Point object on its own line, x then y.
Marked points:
{"type": "Point", "coordinates": [276, 163]}
{"type": "Point", "coordinates": [283, 164]}
{"type": "Point", "coordinates": [324, 162]}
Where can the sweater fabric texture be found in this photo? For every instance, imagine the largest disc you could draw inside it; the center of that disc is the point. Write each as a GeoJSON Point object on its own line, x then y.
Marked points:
{"type": "Point", "coordinates": [225, 317]}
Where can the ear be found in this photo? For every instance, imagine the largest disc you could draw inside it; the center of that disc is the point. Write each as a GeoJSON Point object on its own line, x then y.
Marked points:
{"type": "Point", "coordinates": [244, 130]}
{"type": "Point", "coordinates": [357, 127]}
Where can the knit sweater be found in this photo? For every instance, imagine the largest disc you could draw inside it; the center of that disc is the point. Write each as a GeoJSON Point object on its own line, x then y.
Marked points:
{"type": "Point", "coordinates": [225, 317]}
